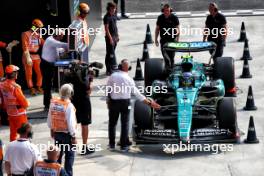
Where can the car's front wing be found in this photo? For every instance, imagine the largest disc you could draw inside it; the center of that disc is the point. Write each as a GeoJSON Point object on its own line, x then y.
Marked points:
{"type": "Point", "coordinates": [203, 135]}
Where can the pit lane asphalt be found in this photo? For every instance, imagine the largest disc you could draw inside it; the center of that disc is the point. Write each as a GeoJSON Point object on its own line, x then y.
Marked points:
{"type": "Point", "coordinates": [244, 160]}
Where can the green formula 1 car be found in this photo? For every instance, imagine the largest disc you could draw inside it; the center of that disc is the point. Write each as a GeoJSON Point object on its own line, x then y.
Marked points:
{"type": "Point", "coordinates": [196, 99]}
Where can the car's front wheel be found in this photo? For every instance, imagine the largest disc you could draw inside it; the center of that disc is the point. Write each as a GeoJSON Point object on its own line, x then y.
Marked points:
{"type": "Point", "coordinates": [226, 114]}
{"type": "Point", "coordinates": [143, 116]}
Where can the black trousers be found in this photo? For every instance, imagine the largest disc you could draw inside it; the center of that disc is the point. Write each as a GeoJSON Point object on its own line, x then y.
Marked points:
{"type": "Point", "coordinates": [168, 62]}
{"type": "Point", "coordinates": [110, 57]}
{"type": "Point", "coordinates": [64, 142]}
{"type": "Point", "coordinates": [123, 10]}
{"type": "Point", "coordinates": [116, 108]}
{"type": "Point", "coordinates": [48, 73]}
{"type": "Point", "coordinates": [219, 49]}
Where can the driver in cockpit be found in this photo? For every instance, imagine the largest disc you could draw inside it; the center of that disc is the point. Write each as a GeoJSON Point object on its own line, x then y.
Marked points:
{"type": "Point", "coordinates": [187, 75]}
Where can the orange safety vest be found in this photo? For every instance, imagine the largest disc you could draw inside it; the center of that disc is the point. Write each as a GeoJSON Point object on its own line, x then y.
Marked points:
{"type": "Point", "coordinates": [32, 43]}
{"type": "Point", "coordinates": [86, 36]}
{"type": "Point", "coordinates": [84, 31]}
{"type": "Point", "coordinates": [58, 115]}
{"type": "Point", "coordinates": [1, 150]}
{"type": "Point", "coordinates": [47, 169]}
{"type": "Point", "coordinates": [9, 100]}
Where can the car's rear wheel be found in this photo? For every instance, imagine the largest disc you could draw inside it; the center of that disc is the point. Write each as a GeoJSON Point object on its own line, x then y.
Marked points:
{"type": "Point", "coordinates": [226, 114]}
{"type": "Point", "coordinates": [224, 68]}
{"type": "Point", "coordinates": [154, 69]}
{"type": "Point", "coordinates": [143, 116]}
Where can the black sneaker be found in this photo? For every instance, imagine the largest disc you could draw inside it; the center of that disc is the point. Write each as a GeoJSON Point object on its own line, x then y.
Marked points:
{"type": "Point", "coordinates": [124, 149]}
{"type": "Point", "coordinates": [124, 16]}
{"type": "Point", "coordinates": [111, 147]}
{"type": "Point", "coordinates": [87, 150]}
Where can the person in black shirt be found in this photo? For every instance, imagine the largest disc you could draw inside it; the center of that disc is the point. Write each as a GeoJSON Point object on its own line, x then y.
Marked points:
{"type": "Point", "coordinates": [167, 27]}
{"type": "Point", "coordinates": [82, 79]}
{"type": "Point", "coordinates": [215, 29]}
{"type": "Point", "coordinates": [111, 37]}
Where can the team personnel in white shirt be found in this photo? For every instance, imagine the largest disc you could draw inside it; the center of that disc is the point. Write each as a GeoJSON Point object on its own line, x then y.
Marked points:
{"type": "Point", "coordinates": [118, 103]}
{"type": "Point", "coordinates": [62, 122]}
{"type": "Point", "coordinates": [49, 56]}
{"type": "Point", "coordinates": [21, 154]}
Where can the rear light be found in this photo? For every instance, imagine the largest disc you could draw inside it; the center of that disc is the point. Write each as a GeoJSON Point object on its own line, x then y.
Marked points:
{"type": "Point", "coordinates": [232, 90]}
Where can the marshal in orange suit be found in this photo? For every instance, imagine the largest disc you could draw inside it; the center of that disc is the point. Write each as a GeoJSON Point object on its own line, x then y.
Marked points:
{"type": "Point", "coordinates": [31, 43]}
{"type": "Point", "coordinates": [13, 100]}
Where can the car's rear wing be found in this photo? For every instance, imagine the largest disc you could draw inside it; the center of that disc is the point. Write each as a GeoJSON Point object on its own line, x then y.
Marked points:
{"type": "Point", "coordinates": [189, 46]}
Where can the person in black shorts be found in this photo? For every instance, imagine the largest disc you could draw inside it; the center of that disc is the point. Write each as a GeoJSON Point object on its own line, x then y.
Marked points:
{"type": "Point", "coordinates": [167, 27]}
{"type": "Point", "coordinates": [215, 29]}
{"type": "Point", "coordinates": [111, 37]}
{"type": "Point", "coordinates": [82, 79]}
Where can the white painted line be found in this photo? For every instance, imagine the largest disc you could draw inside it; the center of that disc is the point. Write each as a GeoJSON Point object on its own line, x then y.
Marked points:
{"type": "Point", "coordinates": [244, 12]}
{"type": "Point", "coordinates": [198, 14]}
{"type": "Point", "coordinates": [153, 14]}
{"type": "Point", "coordinates": [258, 13]}
{"type": "Point", "coordinates": [230, 13]}
{"type": "Point", "coordinates": [137, 16]}
{"type": "Point", "coordinates": [183, 13]}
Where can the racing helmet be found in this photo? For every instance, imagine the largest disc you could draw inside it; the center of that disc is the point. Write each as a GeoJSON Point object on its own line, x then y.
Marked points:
{"type": "Point", "coordinates": [186, 63]}
{"type": "Point", "coordinates": [187, 80]}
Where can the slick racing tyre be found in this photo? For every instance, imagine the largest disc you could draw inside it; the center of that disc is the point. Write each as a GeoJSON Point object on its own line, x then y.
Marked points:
{"type": "Point", "coordinates": [224, 69]}
{"type": "Point", "coordinates": [226, 114]}
{"type": "Point", "coordinates": [154, 69]}
{"type": "Point", "coordinates": [143, 116]}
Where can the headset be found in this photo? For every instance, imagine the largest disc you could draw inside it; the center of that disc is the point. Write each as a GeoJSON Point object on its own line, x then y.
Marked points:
{"type": "Point", "coordinates": [121, 63]}
{"type": "Point", "coordinates": [166, 6]}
